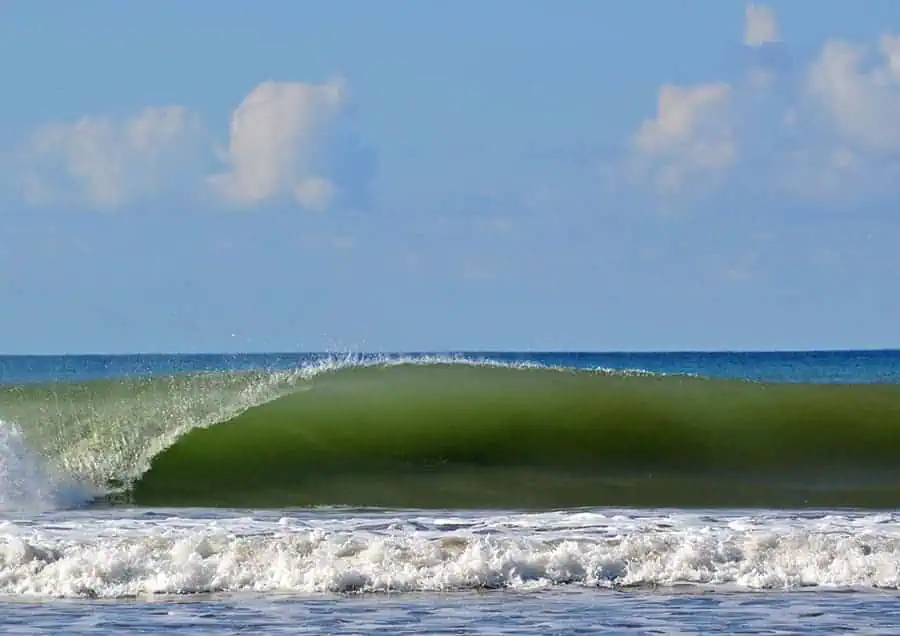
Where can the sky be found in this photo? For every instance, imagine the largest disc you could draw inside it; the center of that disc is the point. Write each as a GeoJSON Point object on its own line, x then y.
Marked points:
{"type": "Point", "coordinates": [430, 176]}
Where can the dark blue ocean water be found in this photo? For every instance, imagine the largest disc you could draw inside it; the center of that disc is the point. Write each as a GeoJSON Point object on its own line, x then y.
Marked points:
{"type": "Point", "coordinates": [807, 366]}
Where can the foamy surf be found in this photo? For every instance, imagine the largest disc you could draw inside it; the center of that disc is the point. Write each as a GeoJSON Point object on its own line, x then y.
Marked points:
{"type": "Point", "coordinates": [394, 552]}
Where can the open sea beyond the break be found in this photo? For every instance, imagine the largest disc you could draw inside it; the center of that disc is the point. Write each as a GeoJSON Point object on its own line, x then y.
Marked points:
{"type": "Point", "coordinates": [465, 493]}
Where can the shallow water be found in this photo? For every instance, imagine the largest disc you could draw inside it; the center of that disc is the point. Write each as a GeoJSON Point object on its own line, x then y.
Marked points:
{"type": "Point", "coordinates": [545, 613]}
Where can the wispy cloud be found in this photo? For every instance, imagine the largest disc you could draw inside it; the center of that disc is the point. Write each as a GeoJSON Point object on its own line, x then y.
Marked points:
{"type": "Point", "coordinates": [102, 160]}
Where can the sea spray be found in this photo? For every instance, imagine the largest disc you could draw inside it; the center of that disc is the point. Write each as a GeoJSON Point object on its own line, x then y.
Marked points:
{"type": "Point", "coordinates": [27, 483]}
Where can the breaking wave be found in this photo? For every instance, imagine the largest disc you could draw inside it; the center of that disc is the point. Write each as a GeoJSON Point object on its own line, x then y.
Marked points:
{"type": "Point", "coordinates": [405, 553]}
{"type": "Point", "coordinates": [453, 433]}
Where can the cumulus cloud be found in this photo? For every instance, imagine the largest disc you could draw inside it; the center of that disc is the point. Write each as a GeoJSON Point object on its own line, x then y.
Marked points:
{"type": "Point", "coordinates": [286, 141]}
{"type": "Point", "coordinates": [862, 104]}
{"type": "Point", "coordinates": [690, 136]}
{"type": "Point", "coordinates": [830, 132]}
{"type": "Point", "coordinates": [276, 135]}
{"type": "Point", "coordinates": [106, 161]}
{"type": "Point", "coordinates": [845, 125]}
{"type": "Point", "coordinates": [760, 26]}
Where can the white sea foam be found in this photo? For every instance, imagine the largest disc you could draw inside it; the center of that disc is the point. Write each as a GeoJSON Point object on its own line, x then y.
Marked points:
{"type": "Point", "coordinates": [327, 553]}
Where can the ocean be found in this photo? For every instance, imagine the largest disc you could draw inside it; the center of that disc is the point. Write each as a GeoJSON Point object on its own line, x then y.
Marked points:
{"type": "Point", "coordinates": [465, 493]}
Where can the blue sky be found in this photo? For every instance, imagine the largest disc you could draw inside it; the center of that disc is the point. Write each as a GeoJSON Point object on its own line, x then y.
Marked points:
{"type": "Point", "coordinates": [407, 175]}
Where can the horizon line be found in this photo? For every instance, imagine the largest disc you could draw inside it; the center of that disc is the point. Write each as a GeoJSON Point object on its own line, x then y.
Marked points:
{"type": "Point", "coordinates": [448, 352]}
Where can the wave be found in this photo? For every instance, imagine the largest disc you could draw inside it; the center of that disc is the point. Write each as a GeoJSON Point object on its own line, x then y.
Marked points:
{"type": "Point", "coordinates": [457, 433]}
{"type": "Point", "coordinates": [128, 557]}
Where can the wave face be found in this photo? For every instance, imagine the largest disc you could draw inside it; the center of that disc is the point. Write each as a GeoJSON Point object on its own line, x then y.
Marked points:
{"type": "Point", "coordinates": [443, 433]}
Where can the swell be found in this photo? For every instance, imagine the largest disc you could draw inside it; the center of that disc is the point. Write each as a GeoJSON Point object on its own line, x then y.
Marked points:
{"type": "Point", "coordinates": [465, 435]}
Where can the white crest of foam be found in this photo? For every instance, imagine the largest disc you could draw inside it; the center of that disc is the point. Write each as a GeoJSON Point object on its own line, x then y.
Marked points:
{"type": "Point", "coordinates": [115, 557]}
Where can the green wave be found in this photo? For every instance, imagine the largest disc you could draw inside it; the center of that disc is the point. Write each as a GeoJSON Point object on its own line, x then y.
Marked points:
{"type": "Point", "coordinates": [466, 435]}
{"type": "Point", "coordinates": [472, 436]}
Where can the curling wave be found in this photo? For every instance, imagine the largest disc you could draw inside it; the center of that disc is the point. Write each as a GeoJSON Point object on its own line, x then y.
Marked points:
{"type": "Point", "coordinates": [445, 433]}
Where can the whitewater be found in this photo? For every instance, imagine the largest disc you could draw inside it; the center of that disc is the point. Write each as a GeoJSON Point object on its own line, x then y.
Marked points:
{"type": "Point", "coordinates": [473, 493]}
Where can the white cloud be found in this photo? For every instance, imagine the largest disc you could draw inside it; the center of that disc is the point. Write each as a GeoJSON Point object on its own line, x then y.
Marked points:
{"type": "Point", "coordinates": [287, 140]}
{"type": "Point", "coordinates": [690, 136]}
{"type": "Point", "coordinates": [275, 136]}
{"type": "Point", "coordinates": [759, 25]}
{"type": "Point", "coordinates": [845, 128]}
{"type": "Point", "coordinates": [863, 104]}
{"type": "Point", "coordinates": [833, 136]}
{"type": "Point", "coordinates": [108, 161]}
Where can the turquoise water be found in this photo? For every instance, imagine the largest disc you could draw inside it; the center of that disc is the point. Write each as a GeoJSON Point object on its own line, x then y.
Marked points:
{"type": "Point", "coordinates": [452, 493]}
